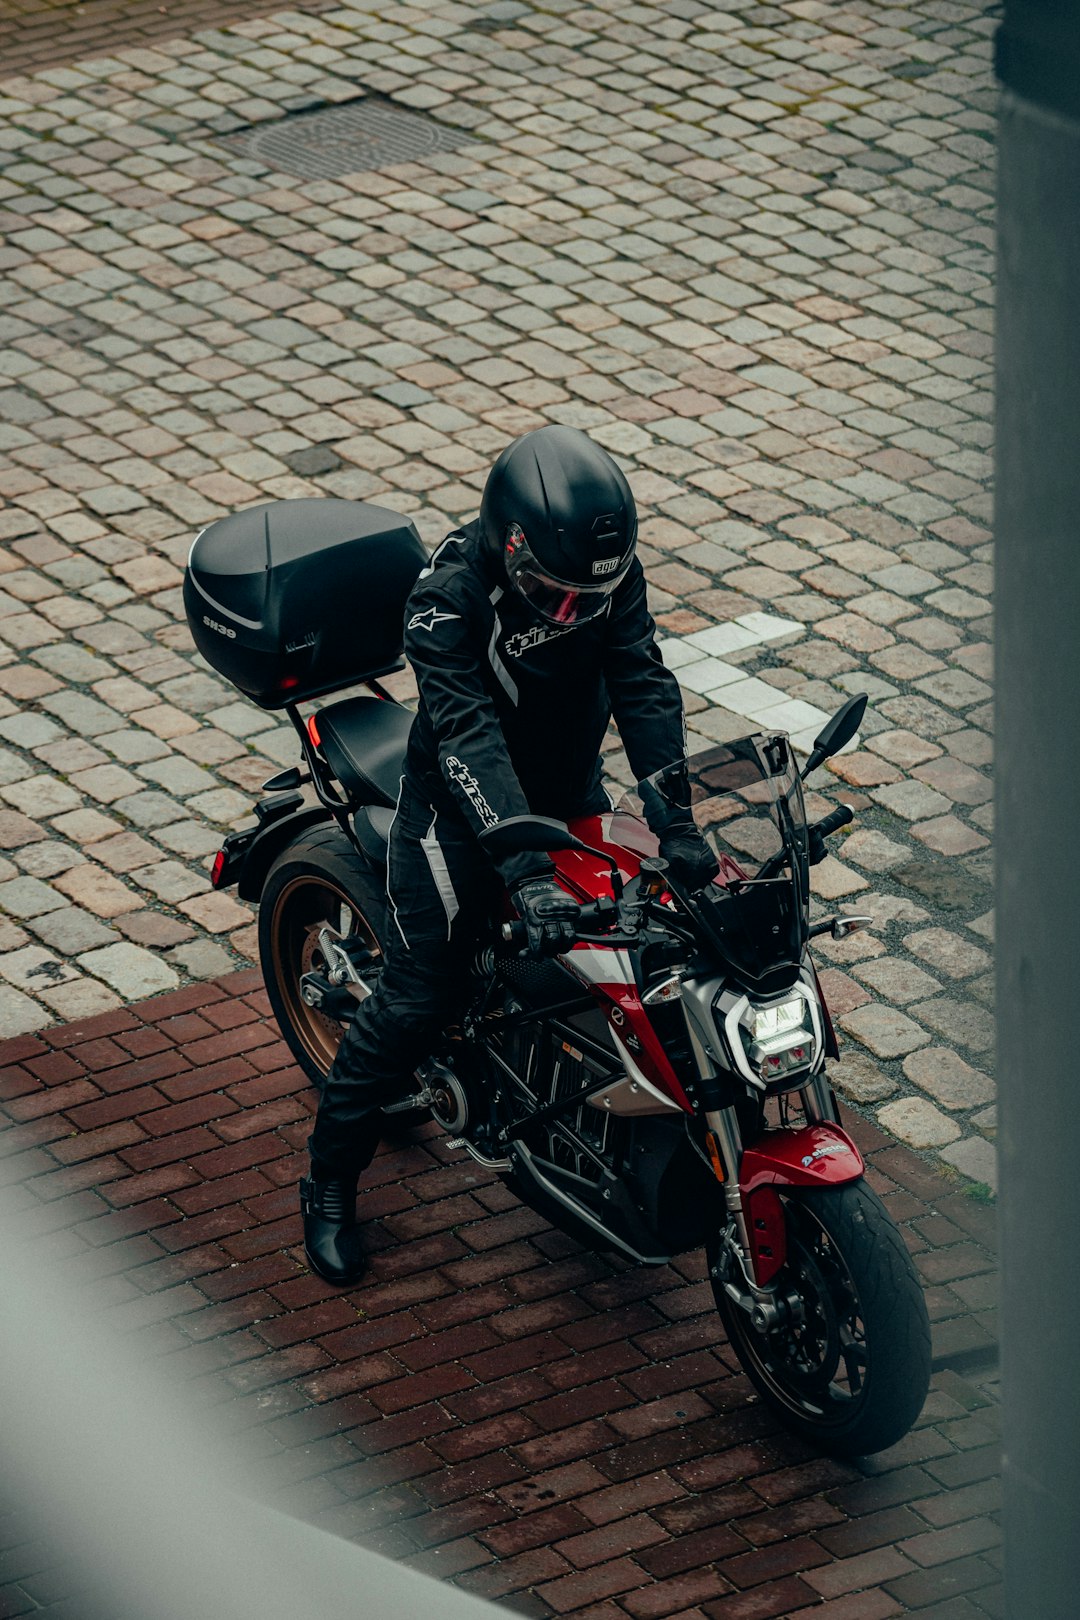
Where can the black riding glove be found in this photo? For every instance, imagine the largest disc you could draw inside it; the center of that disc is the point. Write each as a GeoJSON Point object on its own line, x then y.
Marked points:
{"type": "Point", "coordinates": [690, 860]}
{"type": "Point", "coordinates": [549, 914]}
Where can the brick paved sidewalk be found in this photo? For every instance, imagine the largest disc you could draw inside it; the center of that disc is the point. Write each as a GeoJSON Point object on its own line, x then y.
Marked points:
{"type": "Point", "coordinates": [493, 1405]}
{"type": "Point", "coordinates": [748, 249]}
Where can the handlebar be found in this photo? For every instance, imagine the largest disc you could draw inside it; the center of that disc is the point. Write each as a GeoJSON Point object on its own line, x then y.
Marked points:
{"type": "Point", "coordinates": [603, 915]}
{"type": "Point", "coordinates": [832, 823]}
{"type": "Point", "coordinates": [828, 824]}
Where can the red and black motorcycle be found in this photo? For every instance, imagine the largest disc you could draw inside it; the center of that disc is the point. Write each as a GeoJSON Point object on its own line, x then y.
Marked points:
{"type": "Point", "coordinates": [661, 1085]}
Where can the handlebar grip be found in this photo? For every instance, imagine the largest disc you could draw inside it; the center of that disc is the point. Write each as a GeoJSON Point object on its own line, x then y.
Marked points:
{"type": "Point", "coordinates": [593, 914]}
{"type": "Point", "coordinates": [832, 823]}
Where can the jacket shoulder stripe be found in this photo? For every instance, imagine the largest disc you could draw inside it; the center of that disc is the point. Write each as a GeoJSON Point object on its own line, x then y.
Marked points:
{"type": "Point", "coordinates": [455, 539]}
{"type": "Point", "coordinates": [502, 674]}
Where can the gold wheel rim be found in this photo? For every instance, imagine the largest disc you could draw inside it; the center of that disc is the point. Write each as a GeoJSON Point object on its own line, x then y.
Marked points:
{"type": "Point", "coordinates": [305, 906]}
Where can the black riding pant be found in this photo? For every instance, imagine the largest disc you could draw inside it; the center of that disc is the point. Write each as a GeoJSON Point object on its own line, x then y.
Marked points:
{"type": "Point", "coordinates": [441, 888]}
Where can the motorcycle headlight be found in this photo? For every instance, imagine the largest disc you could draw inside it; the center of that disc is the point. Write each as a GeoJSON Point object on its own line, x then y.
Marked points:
{"type": "Point", "coordinates": [779, 1040]}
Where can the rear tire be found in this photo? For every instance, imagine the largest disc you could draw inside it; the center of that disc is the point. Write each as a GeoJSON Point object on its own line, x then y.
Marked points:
{"type": "Point", "coordinates": [318, 882]}
{"type": "Point", "coordinates": [853, 1375]}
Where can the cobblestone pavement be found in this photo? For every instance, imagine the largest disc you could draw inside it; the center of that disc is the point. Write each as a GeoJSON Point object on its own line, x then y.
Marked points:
{"type": "Point", "coordinates": [748, 250]}
{"type": "Point", "coordinates": [563, 1433]}
{"type": "Point", "coordinates": [50, 33]}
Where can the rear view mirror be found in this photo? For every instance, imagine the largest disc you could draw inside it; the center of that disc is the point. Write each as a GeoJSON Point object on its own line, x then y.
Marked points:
{"type": "Point", "coordinates": [836, 733]}
{"type": "Point", "coordinates": [543, 835]}
{"type": "Point", "coordinates": [519, 834]}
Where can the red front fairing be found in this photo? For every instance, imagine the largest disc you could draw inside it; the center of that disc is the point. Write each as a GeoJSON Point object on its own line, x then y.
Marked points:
{"type": "Point", "coordinates": [587, 878]}
{"type": "Point", "coordinates": [815, 1156]}
{"type": "Point", "coordinates": [608, 969]}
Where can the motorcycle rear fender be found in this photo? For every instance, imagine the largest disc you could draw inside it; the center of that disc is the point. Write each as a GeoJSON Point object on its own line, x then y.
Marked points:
{"type": "Point", "coordinates": [267, 842]}
{"type": "Point", "coordinates": [817, 1156]}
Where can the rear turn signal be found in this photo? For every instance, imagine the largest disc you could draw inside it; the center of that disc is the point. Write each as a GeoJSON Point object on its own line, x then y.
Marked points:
{"type": "Point", "coordinates": [313, 731]}
{"type": "Point", "coordinates": [218, 868]}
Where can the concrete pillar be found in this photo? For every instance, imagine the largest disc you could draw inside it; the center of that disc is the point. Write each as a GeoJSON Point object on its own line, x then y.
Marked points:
{"type": "Point", "coordinates": [1038, 799]}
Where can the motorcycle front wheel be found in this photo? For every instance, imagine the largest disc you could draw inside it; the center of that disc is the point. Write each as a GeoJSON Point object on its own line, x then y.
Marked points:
{"type": "Point", "coordinates": [317, 893]}
{"type": "Point", "coordinates": [850, 1368]}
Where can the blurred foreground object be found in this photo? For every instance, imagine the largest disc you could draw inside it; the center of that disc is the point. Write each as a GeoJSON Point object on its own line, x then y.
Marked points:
{"type": "Point", "coordinates": [148, 1514]}
{"type": "Point", "coordinates": [1038, 733]}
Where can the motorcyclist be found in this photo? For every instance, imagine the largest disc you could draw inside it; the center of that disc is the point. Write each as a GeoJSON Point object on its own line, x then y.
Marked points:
{"type": "Point", "coordinates": [526, 633]}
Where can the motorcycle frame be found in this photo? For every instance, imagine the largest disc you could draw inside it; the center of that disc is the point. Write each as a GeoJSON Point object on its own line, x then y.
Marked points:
{"type": "Point", "coordinates": [509, 1138]}
{"type": "Point", "coordinates": [545, 1018]}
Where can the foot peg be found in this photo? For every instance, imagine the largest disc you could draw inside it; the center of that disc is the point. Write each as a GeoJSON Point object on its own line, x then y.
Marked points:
{"type": "Point", "coordinates": [410, 1104]}
{"type": "Point", "coordinates": [335, 1001]}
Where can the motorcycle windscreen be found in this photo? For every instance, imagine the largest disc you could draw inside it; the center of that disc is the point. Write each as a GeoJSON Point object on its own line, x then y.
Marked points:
{"type": "Point", "coordinates": [745, 797]}
{"type": "Point", "coordinates": [759, 928]}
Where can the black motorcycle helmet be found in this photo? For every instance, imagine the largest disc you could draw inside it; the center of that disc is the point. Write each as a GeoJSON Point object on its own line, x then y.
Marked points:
{"type": "Point", "coordinates": [559, 518]}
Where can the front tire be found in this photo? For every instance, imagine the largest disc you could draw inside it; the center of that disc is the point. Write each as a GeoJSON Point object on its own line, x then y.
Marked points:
{"type": "Point", "coordinates": [852, 1376]}
{"type": "Point", "coordinates": [318, 883]}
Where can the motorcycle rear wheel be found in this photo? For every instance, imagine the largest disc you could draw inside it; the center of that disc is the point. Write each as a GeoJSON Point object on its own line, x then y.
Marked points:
{"type": "Point", "coordinates": [316, 883]}
{"type": "Point", "coordinates": [852, 1377]}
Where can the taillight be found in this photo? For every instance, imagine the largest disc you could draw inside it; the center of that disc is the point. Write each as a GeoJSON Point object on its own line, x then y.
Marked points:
{"type": "Point", "coordinates": [218, 868]}
{"type": "Point", "coordinates": [313, 731]}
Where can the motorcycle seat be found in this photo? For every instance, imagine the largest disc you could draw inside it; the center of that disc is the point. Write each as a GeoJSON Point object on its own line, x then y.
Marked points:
{"type": "Point", "coordinates": [363, 741]}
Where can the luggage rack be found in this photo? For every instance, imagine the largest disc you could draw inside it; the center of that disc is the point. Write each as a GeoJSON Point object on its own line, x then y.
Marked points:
{"type": "Point", "coordinates": [318, 771]}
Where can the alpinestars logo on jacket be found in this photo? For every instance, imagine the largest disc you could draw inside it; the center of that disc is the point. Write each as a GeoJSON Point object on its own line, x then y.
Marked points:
{"type": "Point", "coordinates": [466, 781]}
{"type": "Point", "coordinates": [524, 641]}
{"type": "Point", "coordinates": [429, 619]}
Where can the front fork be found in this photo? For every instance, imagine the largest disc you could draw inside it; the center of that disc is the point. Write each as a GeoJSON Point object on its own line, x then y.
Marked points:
{"type": "Point", "coordinates": [765, 1304]}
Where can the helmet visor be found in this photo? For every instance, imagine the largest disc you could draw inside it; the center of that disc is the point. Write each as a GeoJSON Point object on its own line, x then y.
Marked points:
{"type": "Point", "coordinates": [558, 601]}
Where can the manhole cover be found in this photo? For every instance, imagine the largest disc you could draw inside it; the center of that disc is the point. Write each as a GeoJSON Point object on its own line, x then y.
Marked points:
{"type": "Point", "coordinates": [369, 133]}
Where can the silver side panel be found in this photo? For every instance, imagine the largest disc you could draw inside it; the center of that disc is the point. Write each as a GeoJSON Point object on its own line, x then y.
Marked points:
{"type": "Point", "coordinates": [635, 1094]}
{"type": "Point", "coordinates": [698, 996]}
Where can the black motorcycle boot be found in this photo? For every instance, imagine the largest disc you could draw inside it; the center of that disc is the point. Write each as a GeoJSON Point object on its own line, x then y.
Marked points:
{"type": "Point", "coordinates": [331, 1236]}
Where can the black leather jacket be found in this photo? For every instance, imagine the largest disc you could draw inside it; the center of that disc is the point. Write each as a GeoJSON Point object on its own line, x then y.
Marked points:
{"type": "Point", "coordinates": [513, 710]}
